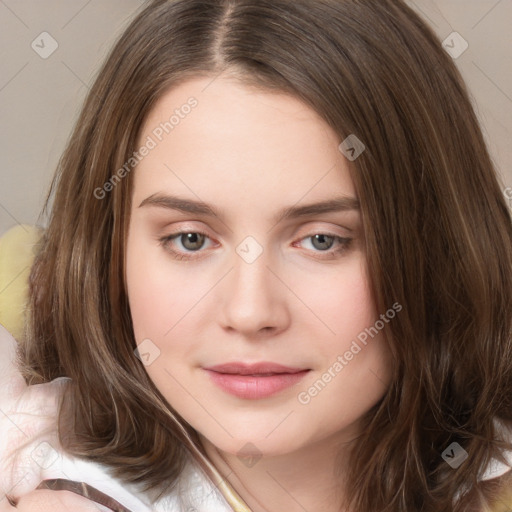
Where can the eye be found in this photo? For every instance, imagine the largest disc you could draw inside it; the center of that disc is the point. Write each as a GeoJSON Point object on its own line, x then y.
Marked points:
{"type": "Point", "coordinates": [321, 241]}
{"type": "Point", "coordinates": [190, 241]}
{"type": "Point", "coordinates": [193, 241]}
{"type": "Point", "coordinates": [324, 242]}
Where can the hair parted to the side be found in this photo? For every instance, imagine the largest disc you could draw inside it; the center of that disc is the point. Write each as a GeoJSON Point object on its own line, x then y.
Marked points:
{"type": "Point", "coordinates": [437, 230]}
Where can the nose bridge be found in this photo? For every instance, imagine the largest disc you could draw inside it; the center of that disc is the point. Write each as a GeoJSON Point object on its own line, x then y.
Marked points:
{"type": "Point", "coordinates": [253, 300]}
{"type": "Point", "coordinates": [250, 280]}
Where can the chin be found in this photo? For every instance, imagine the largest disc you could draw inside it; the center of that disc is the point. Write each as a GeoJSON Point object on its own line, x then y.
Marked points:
{"type": "Point", "coordinates": [257, 445]}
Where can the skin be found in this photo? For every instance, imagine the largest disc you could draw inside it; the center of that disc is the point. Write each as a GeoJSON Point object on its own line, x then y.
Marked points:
{"type": "Point", "coordinates": [250, 154]}
{"type": "Point", "coordinates": [50, 501]}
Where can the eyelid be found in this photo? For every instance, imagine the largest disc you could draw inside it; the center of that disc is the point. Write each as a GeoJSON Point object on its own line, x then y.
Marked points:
{"type": "Point", "coordinates": [315, 228]}
{"type": "Point", "coordinates": [301, 233]}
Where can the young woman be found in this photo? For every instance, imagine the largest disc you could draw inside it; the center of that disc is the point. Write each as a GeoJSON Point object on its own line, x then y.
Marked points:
{"type": "Point", "coordinates": [277, 275]}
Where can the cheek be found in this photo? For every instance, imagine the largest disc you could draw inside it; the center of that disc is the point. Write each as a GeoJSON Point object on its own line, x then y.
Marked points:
{"type": "Point", "coordinates": [355, 360]}
{"type": "Point", "coordinates": [159, 299]}
{"type": "Point", "coordinates": [146, 295]}
{"type": "Point", "coordinates": [345, 301]}
{"type": "Point", "coordinates": [152, 304]}
{"type": "Point", "coordinates": [159, 295]}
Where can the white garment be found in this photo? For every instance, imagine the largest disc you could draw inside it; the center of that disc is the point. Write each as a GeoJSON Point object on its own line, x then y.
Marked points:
{"type": "Point", "coordinates": [28, 426]}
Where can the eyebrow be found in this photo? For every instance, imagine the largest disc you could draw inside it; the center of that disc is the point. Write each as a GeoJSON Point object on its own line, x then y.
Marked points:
{"type": "Point", "coordinates": [336, 204]}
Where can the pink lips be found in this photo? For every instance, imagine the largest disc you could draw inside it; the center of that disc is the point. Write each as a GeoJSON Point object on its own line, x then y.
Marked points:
{"type": "Point", "coordinates": [254, 381]}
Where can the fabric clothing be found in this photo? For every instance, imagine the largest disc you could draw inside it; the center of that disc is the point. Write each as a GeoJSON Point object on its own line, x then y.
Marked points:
{"type": "Point", "coordinates": [30, 453]}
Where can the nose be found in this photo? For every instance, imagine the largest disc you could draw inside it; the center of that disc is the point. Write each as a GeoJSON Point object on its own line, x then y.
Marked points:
{"type": "Point", "coordinates": [253, 299]}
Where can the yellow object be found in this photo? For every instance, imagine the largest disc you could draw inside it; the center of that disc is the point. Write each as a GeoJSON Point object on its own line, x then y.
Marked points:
{"type": "Point", "coordinates": [17, 251]}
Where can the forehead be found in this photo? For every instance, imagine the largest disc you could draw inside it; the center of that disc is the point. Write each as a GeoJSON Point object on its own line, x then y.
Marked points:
{"type": "Point", "coordinates": [222, 140]}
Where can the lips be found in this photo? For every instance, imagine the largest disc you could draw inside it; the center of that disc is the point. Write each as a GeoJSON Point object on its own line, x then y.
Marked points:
{"type": "Point", "coordinates": [259, 369]}
{"type": "Point", "coordinates": [254, 381]}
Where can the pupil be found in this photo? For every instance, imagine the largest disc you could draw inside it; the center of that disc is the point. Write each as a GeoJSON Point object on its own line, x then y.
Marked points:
{"type": "Point", "coordinates": [322, 239]}
{"type": "Point", "coordinates": [192, 239]}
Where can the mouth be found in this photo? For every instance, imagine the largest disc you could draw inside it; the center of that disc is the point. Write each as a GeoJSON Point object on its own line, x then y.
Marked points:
{"type": "Point", "coordinates": [254, 381]}
{"type": "Point", "coordinates": [258, 369]}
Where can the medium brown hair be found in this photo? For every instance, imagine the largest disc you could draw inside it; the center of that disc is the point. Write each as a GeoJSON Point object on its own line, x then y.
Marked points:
{"type": "Point", "coordinates": [437, 231]}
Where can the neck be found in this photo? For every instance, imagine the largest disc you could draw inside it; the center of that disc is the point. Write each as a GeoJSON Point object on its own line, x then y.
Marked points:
{"type": "Point", "coordinates": [311, 478]}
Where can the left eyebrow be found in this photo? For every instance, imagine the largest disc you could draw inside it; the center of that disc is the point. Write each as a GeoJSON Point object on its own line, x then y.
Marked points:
{"type": "Point", "coordinates": [337, 204]}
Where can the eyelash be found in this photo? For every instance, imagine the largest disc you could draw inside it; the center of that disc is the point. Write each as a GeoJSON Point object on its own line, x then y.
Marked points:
{"type": "Point", "coordinates": [344, 244]}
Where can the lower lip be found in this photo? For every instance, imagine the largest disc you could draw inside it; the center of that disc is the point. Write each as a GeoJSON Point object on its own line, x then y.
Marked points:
{"type": "Point", "coordinates": [254, 387]}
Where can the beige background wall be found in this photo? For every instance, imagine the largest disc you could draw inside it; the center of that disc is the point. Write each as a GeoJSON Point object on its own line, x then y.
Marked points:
{"type": "Point", "coordinates": [40, 97]}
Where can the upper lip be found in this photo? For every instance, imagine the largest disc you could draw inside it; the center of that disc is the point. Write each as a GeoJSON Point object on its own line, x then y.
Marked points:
{"type": "Point", "coordinates": [263, 367]}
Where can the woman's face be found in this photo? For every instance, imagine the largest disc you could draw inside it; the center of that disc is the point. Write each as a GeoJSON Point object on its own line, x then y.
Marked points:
{"type": "Point", "coordinates": [245, 246]}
